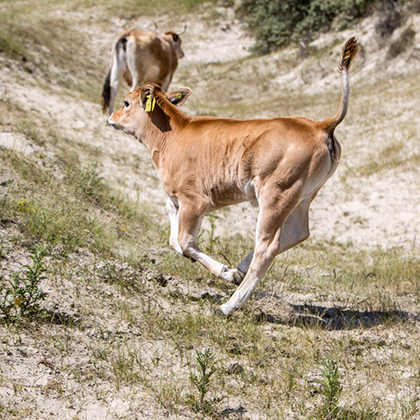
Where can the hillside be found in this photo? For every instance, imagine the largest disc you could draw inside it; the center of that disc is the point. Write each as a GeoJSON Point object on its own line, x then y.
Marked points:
{"type": "Point", "coordinates": [331, 332]}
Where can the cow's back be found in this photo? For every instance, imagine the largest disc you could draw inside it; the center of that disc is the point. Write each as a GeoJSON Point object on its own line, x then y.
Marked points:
{"type": "Point", "coordinates": [153, 57]}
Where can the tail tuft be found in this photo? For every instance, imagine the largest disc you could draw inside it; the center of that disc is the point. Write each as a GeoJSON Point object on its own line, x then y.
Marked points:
{"type": "Point", "coordinates": [106, 92]}
{"type": "Point", "coordinates": [348, 52]}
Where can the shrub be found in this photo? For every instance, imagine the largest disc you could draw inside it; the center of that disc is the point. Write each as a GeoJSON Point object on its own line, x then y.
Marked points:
{"type": "Point", "coordinates": [205, 368]}
{"type": "Point", "coordinates": [276, 23]}
{"type": "Point", "coordinates": [21, 299]}
{"type": "Point", "coordinates": [390, 18]}
{"type": "Point", "coordinates": [272, 21]}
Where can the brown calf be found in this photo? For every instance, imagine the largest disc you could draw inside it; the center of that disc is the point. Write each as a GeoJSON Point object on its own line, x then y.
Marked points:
{"type": "Point", "coordinates": [207, 163]}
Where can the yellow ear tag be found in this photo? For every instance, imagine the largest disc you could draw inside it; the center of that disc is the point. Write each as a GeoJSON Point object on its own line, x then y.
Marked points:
{"type": "Point", "coordinates": [179, 95]}
{"type": "Point", "coordinates": [150, 105]}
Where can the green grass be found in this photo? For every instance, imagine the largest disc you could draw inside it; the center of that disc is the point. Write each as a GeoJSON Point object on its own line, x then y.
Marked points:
{"type": "Point", "coordinates": [81, 211]}
{"type": "Point", "coordinates": [11, 48]}
{"type": "Point", "coordinates": [277, 361]}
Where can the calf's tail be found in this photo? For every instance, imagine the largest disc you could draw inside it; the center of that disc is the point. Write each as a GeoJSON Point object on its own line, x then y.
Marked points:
{"type": "Point", "coordinates": [349, 51]}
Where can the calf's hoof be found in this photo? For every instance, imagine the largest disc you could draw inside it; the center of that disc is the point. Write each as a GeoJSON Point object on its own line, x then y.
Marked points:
{"type": "Point", "coordinates": [225, 310]}
{"type": "Point", "coordinates": [189, 258]}
{"type": "Point", "coordinates": [238, 276]}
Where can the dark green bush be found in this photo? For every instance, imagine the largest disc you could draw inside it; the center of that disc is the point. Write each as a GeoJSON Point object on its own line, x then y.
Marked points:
{"type": "Point", "coordinates": [272, 21]}
{"type": "Point", "coordinates": [277, 23]}
{"type": "Point", "coordinates": [322, 15]}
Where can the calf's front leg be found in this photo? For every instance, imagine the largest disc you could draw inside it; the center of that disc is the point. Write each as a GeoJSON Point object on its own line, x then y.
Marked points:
{"type": "Point", "coordinates": [190, 216]}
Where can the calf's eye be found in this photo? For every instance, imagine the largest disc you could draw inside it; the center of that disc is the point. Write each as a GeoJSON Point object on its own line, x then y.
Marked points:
{"type": "Point", "coordinates": [126, 104]}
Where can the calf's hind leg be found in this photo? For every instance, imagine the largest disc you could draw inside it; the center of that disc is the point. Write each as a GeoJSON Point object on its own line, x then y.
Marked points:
{"type": "Point", "coordinates": [295, 230]}
{"type": "Point", "coordinates": [277, 231]}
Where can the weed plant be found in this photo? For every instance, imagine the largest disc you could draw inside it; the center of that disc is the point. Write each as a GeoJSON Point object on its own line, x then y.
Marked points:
{"type": "Point", "coordinates": [21, 299]}
{"type": "Point", "coordinates": [204, 370]}
{"type": "Point", "coordinates": [211, 236]}
{"type": "Point", "coordinates": [330, 389]}
{"type": "Point", "coordinates": [11, 48]}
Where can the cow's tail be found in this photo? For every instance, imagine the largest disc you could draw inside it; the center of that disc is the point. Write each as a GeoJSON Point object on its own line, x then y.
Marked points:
{"type": "Point", "coordinates": [106, 91]}
{"type": "Point", "coordinates": [348, 53]}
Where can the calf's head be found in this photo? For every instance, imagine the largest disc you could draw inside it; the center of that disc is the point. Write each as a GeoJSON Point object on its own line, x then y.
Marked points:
{"type": "Point", "coordinates": [138, 106]}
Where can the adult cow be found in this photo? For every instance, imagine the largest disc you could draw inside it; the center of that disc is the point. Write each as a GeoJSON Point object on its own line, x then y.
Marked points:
{"type": "Point", "coordinates": [207, 163]}
{"type": "Point", "coordinates": [141, 57]}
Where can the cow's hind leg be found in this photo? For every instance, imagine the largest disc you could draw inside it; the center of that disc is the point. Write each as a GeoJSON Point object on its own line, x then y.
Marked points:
{"type": "Point", "coordinates": [274, 220]}
{"type": "Point", "coordinates": [190, 217]}
{"type": "Point", "coordinates": [296, 227]}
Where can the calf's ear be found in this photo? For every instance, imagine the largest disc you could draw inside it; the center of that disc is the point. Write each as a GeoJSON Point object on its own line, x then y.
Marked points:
{"type": "Point", "coordinates": [147, 95]}
{"type": "Point", "coordinates": [178, 97]}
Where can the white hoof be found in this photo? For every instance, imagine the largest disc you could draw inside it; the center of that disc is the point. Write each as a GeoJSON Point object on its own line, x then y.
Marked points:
{"type": "Point", "coordinates": [232, 275]}
{"type": "Point", "coordinates": [226, 309]}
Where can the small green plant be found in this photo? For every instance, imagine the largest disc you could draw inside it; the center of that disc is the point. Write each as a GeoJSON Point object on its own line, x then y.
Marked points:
{"type": "Point", "coordinates": [21, 299]}
{"type": "Point", "coordinates": [330, 389]}
{"type": "Point", "coordinates": [211, 232]}
{"type": "Point", "coordinates": [2, 248]}
{"type": "Point", "coordinates": [24, 206]}
{"type": "Point", "coordinates": [170, 396]}
{"type": "Point", "coordinates": [408, 407]}
{"type": "Point", "coordinates": [205, 368]}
